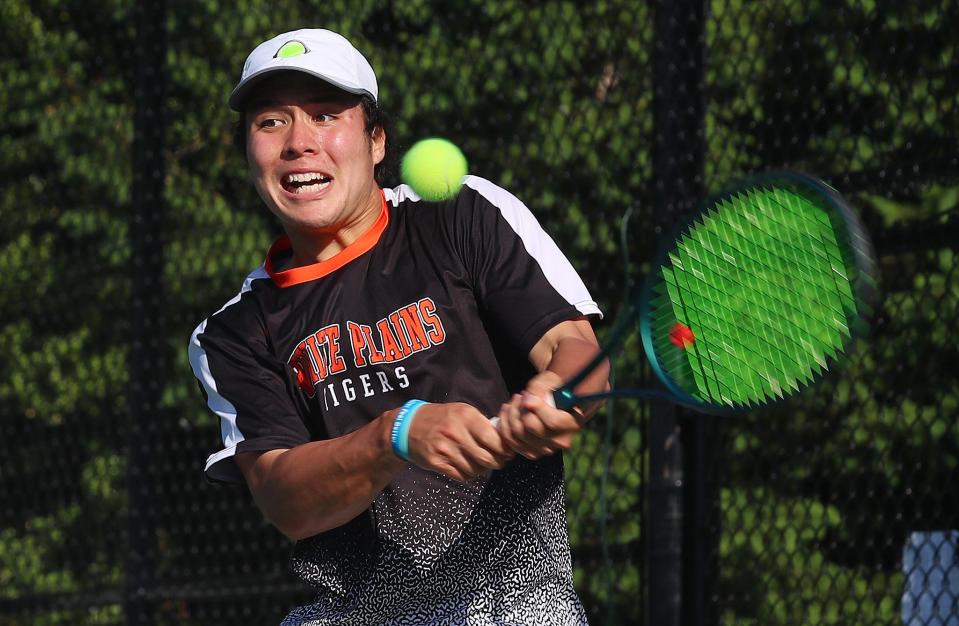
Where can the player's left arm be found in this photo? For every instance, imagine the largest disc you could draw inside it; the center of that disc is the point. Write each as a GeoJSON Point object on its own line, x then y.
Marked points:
{"type": "Point", "coordinates": [529, 423]}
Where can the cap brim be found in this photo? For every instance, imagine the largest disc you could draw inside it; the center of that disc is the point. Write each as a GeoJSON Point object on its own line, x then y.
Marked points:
{"type": "Point", "coordinates": [246, 87]}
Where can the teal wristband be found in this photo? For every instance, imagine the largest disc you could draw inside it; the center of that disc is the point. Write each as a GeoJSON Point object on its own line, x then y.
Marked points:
{"type": "Point", "coordinates": [400, 435]}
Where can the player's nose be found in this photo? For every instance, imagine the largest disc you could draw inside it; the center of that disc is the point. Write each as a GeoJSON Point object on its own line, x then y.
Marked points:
{"type": "Point", "coordinates": [300, 139]}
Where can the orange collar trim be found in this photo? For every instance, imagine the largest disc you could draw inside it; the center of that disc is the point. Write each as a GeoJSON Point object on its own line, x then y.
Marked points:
{"type": "Point", "coordinates": [306, 273]}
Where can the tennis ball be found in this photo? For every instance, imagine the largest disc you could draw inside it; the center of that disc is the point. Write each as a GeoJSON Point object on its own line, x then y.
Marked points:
{"type": "Point", "coordinates": [434, 168]}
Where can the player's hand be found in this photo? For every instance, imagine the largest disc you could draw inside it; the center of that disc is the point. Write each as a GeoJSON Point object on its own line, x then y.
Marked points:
{"type": "Point", "coordinates": [532, 426]}
{"type": "Point", "coordinates": [456, 440]}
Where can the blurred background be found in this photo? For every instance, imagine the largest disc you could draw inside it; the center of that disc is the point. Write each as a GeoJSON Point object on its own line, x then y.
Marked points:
{"type": "Point", "coordinates": [127, 218]}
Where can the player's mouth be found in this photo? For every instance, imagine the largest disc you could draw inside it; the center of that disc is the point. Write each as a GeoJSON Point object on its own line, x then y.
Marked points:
{"type": "Point", "coordinates": [302, 183]}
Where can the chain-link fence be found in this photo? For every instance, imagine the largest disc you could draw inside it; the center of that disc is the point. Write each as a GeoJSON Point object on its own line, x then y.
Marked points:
{"type": "Point", "coordinates": [128, 218]}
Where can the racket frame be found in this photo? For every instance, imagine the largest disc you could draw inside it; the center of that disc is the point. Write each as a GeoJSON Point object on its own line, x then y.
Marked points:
{"type": "Point", "coordinates": [639, 305]}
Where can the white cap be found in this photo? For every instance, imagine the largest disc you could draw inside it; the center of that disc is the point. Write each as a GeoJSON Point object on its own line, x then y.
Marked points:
{"type": "Point", "coordinates": [314, 51]}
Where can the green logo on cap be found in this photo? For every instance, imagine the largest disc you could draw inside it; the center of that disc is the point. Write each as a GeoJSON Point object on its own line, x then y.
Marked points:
{"type": "Point", "coordinates": [290, 49]}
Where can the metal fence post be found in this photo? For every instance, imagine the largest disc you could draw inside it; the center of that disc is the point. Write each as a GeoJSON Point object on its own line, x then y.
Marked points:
{"type": "Point", "coordinates": [146, 276]}
{"type": "Point", "coordinates": [675, 559]}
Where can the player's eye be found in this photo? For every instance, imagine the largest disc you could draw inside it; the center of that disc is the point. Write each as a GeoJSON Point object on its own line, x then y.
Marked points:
{"type": "Point", "coordinates": [324, 117]}
{"type": "Point", "coordinates": [269, 122]}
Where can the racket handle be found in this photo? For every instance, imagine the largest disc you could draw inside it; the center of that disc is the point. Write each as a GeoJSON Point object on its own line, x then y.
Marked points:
{"type": "Point", "coordinates": [562, 398]}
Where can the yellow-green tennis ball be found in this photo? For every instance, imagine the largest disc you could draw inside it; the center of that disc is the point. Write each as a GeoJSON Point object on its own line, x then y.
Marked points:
{"type": "Point", "coordinates": [434, 168]}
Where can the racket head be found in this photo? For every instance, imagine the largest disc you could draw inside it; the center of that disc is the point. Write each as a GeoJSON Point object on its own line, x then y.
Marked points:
{"type": "Point", "coordinates": [759, 295]}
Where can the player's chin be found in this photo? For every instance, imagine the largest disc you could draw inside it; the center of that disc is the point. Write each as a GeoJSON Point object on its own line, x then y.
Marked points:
{"type": "Point", "coordinates": [306, 212]}
{"type": "Point", "coordinates": [306, 221]}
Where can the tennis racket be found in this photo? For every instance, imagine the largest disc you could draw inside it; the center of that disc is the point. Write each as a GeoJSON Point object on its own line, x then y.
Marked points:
{"type": "Point", "coordinates": [758, 297]}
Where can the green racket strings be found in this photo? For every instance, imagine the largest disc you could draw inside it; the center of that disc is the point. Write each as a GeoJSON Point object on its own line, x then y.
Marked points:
{"type": "Point", "coordinates": [755, 300]}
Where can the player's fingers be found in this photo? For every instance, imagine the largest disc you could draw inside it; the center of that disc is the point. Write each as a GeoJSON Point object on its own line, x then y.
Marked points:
{"type": "Point", "coordinates": [443, 435]}
{"type": "Point", "coordinates": [555, 422]}
{"type": "Point", "coordinates": [450, 470]}
{"type": "Point", "coordinates": [513, 429]}
{"type": "Point", "coordinates": [508, 414]}
{"type": "Point", "coordinates": [479, 442]}
{"type": "Point", "coordinates": [544, 429]}
{"type": "Point", "coordinates": [524, 432]}
{"type": "Point", "coordinates": [471, 462]}
{"type": "Point", "coordinates": [446, 457]}
{"type": "Point", "coordinates": [482, 449]}
{"type": "Point", "coordinates": [469, 442]}
{"type": "Point", "coordinates": [535, 447]}
{"type": "Point", "coordinates": [526, 442]}
{"type": "Point", "coordinates": [489, 439]}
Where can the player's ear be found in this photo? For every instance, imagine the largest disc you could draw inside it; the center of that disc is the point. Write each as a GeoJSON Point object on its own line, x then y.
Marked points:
{"type": "Point", "coordinates": [378, 144]}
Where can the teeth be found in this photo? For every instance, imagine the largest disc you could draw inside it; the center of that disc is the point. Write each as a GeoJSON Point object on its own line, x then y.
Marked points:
{"type": "Point", "coordinates": [306, 177]}
{"type": "Point", "coordinates": [312, 188]}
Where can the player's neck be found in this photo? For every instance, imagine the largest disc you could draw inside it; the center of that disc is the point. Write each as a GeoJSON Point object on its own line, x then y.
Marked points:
{"type": "Point", "coordinates": [316, 247]}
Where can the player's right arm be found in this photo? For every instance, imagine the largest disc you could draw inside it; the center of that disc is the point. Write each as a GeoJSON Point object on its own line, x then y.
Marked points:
{"type": "Point", "coordinates": [303, 482]}
{"type": "Point", "coordinates": [319, 485]}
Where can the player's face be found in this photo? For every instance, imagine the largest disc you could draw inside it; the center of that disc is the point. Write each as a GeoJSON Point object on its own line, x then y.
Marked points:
{"type": "Point", "coordinates": [312, 161]}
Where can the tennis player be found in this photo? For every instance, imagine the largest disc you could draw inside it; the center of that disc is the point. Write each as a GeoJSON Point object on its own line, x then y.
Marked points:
{"type": "Point", "coordinates": [356, 371]}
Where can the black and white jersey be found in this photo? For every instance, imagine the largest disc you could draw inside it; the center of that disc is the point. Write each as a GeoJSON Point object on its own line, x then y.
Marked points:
{"type": "Point", "coordinates": [440, 302]}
